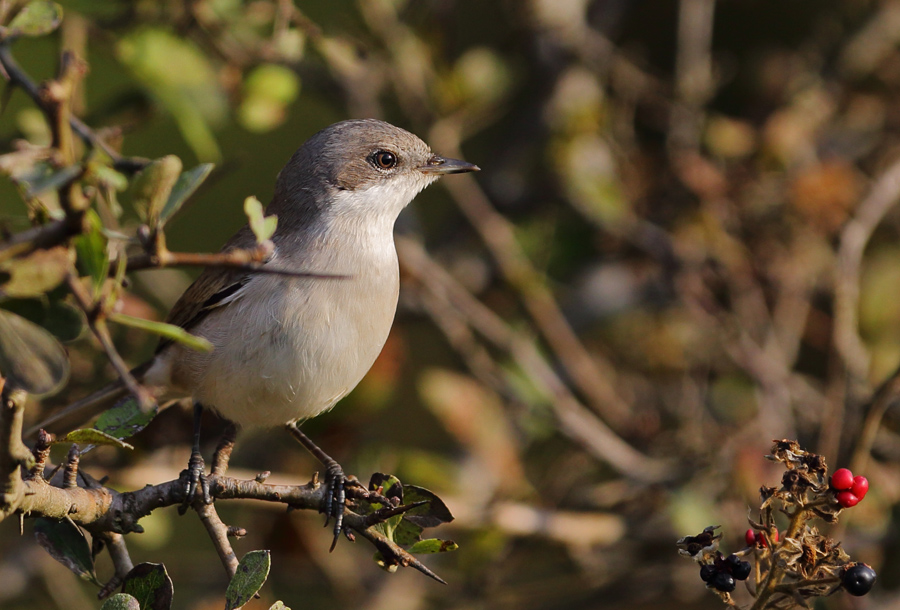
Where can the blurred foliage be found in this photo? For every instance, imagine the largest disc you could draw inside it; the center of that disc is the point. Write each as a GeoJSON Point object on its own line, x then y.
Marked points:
{"type": "Point", "coordinates": [694, 185]}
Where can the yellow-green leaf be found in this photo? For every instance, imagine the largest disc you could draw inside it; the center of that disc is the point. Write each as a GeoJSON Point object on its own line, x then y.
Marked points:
{"type": "Point", "coordinates": [153, 186]}
{"type": "Point", "coordinates": [169, 331]}
{"type": "Point", "coordinates": [90, 246]}
{"type": "Point", "coordinates": [262, 226]}
{"type": "Point", "coordinates": [37, 19]}
{"type": "Point", "coordinates": [91, 436]}
{"type": "Point", "coordinates": [35, 274]}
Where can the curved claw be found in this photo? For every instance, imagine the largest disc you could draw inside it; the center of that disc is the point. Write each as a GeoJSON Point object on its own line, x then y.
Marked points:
{"type": "Point", "coordinates": [196, 477]}
{"type": "Point", "coordinates": [335, 498]}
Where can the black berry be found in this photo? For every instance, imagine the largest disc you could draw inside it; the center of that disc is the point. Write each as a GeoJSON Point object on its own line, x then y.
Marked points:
{"type": "Point", "coordinates": [723, 581]}
{"type": "Point", "coordinates": [858, 579]}
{"type": "Point", "coordinates": [741, 571]}
{"type": "Point", "coordinates": [707, 571]}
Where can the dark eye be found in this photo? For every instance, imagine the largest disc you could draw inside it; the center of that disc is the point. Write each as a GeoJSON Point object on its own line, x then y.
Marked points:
{"type": "Point", "coordinates": [384, 159]}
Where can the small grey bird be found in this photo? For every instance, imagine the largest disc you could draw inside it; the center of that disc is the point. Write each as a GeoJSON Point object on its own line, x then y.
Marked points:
{"type": "Point", "coordinates": [288, 348]}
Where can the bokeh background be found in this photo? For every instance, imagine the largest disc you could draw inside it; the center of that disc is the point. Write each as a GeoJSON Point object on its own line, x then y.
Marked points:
{"type": "Point", "coordinates": [683, 244]}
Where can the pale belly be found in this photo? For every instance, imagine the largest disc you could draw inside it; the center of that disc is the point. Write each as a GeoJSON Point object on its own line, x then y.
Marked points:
{"type": "Point", "coordinates": [290, 357]}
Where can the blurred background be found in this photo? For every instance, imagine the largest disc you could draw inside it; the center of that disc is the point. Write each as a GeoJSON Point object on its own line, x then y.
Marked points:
{"type": "Point", "coordinates": [683, 245]}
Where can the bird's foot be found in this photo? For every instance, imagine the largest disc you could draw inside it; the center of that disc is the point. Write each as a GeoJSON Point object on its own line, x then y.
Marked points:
{"type": "Point", "coordinates": [194, 477]}
{"type": "Point", "coordinates": [335, 497]}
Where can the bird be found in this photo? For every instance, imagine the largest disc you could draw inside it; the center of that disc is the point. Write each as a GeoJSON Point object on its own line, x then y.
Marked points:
{"type": "Point", "coordinates": [288, 348]}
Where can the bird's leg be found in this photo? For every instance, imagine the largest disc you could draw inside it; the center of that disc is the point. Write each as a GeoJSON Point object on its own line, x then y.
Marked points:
{"type": "Point", "coordinates": [335, 482]}
{"type": "Point", "coordinates": [194, 473]}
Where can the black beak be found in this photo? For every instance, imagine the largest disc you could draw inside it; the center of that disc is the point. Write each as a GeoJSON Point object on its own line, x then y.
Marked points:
{"type": "Point", "coordinates": [440, 165]}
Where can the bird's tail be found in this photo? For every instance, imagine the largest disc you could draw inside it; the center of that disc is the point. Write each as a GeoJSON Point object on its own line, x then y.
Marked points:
{"type": "Point", "coordinates": [88, 407]}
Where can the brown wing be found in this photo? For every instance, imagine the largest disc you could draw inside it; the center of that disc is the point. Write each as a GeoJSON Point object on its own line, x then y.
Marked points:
{"type": "Point", "coordinates": [210, 288]}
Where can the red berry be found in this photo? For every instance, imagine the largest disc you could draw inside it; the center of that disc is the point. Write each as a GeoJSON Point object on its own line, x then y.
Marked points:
{"type": "Point", "coordinates": [860, 486]}
{"type": "Point", "coordinates": [750, 538]}
{"type": "Point", "coordinates": [846, 499]}
{"type": "Point", "coordinates": [842, 479]}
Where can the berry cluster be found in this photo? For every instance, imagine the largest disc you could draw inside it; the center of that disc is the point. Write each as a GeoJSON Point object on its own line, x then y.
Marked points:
{"type": "Point", "coordinates": [753, 538]}
{"type": "Point", "coordinates": [849, 489]}
{"type": "Point", "coordinates": [799, 563]}
{"type": "Point", "coordinates": [722, 573]}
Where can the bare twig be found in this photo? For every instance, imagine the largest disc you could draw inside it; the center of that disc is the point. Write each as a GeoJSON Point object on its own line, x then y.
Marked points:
{"type": "Point", "coordinates": [883, 195]}
{"type": "Point", "coordinates": [19, 78]}
{"type": "Point", "coordinates": [248, 260]}
{"type": "Point", "coordinates": [223, 451]}
{"type": "Point", "coordinates": [97, 324]}
{"type": "Point", "coordinates": [218, 533]}
{"type": "Point", "coordinates": [590, 373]}
{"type": "Point", "coordinates": [576, 421]}
{"type": "Point", "coordinates": [118, 552]}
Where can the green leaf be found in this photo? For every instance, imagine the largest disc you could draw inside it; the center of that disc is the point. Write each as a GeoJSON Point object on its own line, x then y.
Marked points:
{"type": "Point", "coordinates": [187, 183]}
{"type": "Point", "coordinates": [251, 575]}
{"type": "Point", "coordinates": [30, 357]}
{"type": "Point", "coordinates": [268, 91]}
{"type": "Point", "coordinates": [50, 313]}
{"type": "Point", "coordinates": [169, 331]}
{"type": "Point", "coordinates": [125, 419]}
{"type": "Point", "coordinates": [181, 77]}
{"type": "Point", "coordinates": [150, 584]}
{"type": "Point", "coordinates": [279, 605]}
{"type": "Point", "coordinates": [432, 514]}
{"type": "Point", "coordinates": [66, 544]}
{"type": "Point", "coordinates": [109, 177]}
{"type": "Point", "coordinates": [262, 226]}
{"type": "Point", "coordinates": [91, 436]}
{"type": "Point", "coordinates": [35, 274]}
{"type": "Point", "coordinates": [153, 186]}
{"type": "Point", "coordinates": [433, 545]}
{"type": "Point", "coordinates": [37, 19]}
{"type": "Point", "coordinates": [90, 246]}
{"type": "Point", "coordinates": [46, 177]}
{"type": "Point", "coordinates": [121, 601]}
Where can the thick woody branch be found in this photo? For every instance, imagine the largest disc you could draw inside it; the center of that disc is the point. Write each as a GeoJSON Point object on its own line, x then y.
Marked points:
{"type": "Point", "coordinates": [13, 452]}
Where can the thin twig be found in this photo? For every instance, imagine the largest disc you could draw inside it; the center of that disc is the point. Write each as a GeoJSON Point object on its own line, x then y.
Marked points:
{"type": "Point", "coordinates": [576, 421]}
{"type": "Point", "coordinates": [591, 373]}
{"type": "Point", "coordinates": [97, 324]}
{"type": "Point", "coordinates": [249, 260]}
{"type": "Point", "coordinates": [19, 78]}
{"type": "Point", "coordinates": [218, 533]}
